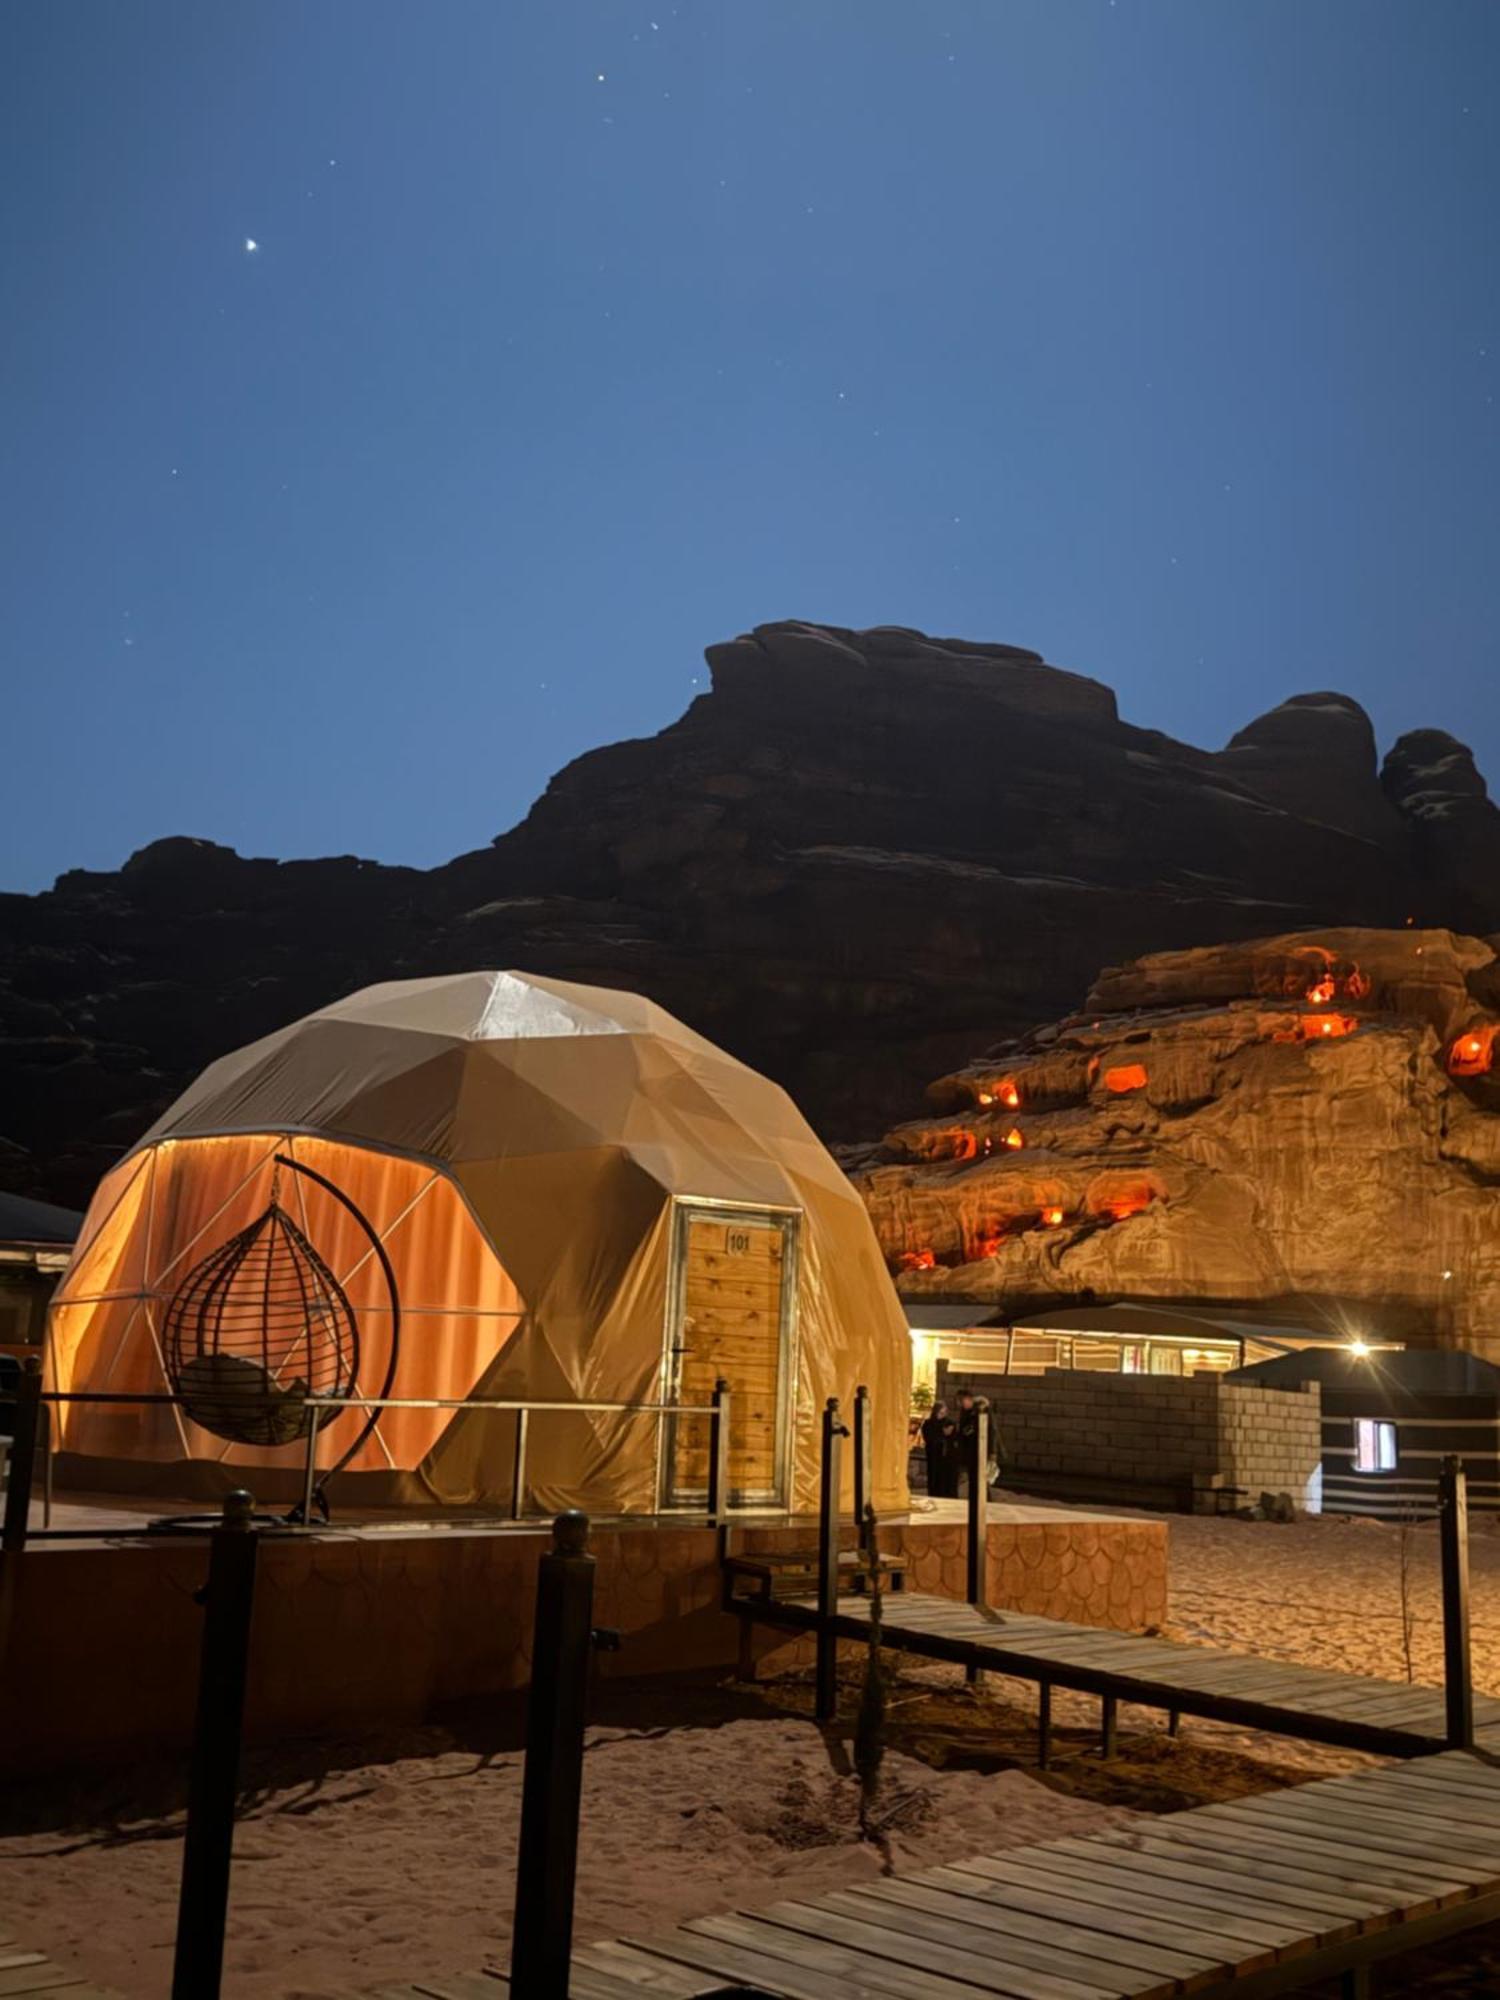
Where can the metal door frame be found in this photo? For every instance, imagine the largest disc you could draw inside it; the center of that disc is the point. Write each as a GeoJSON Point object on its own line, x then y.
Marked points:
{"type": "Point", "coordinates": [686, 1210]}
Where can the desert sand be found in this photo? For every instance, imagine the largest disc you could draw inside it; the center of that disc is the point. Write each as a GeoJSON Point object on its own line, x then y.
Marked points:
{"type": "Point", "coordinates": [403, 1863]}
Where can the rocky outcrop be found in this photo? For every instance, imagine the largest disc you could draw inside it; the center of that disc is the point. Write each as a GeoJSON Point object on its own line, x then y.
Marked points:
{"type": "Point", "coordinates": [856, 857]}
{"type": "Point", "coordinates": [1306, 1125]}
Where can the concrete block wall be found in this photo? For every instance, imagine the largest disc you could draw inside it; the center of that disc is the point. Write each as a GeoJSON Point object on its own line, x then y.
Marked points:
{"type": "Point", "coordinates": [1175, 1441]}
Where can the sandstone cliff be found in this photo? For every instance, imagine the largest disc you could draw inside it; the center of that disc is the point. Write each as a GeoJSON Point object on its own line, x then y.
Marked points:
{"type": "Point", "coordinates": [857, 856]}
{"type": "Point", "coordinates": [1307, 1123]}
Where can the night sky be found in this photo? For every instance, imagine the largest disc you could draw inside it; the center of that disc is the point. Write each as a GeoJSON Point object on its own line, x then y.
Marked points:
{"type": "Point", "coordinates": [1160, 335]}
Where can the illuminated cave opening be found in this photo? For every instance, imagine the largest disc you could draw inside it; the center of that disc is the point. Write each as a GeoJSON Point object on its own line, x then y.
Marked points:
{"type": "Point", "coordinates": [1124, 1078]}
{"type": "Point", "coordinates": [1473, 1053]}
{"type": "Point", "coordinates": [1325, 1027]}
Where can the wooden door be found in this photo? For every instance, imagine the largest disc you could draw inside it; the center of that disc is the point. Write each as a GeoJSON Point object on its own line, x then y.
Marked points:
{"type": "Point", "coordinates": [733, 1321]}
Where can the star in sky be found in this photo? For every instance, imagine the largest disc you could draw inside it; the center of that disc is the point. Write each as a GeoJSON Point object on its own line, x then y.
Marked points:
{"type": "Point", "coordinates": [251, 246]}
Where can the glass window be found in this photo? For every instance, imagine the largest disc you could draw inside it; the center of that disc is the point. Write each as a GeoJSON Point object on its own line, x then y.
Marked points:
{"type": "Point", "coordinates": [1374, 1445]}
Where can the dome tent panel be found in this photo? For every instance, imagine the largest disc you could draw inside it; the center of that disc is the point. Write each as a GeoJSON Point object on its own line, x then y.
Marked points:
{"type": "Point", "coordinates": [458, 1304]}
{"type": "Point", "coordinates": [565, 1127]}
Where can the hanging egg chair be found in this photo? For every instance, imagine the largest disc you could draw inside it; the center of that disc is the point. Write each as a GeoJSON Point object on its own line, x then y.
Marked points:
{"type": "Point", "coordinates": [255, 1329]}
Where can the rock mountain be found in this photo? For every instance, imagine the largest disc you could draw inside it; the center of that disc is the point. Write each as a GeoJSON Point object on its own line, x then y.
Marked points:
{"type": "Point", "coordinates": [1307, 1126]}
{"type": "Point", "coordinates": [858, 856]}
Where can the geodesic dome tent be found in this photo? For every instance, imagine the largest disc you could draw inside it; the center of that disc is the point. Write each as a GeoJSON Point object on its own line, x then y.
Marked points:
{"type": "Point", "coordinates": [559, 1192]}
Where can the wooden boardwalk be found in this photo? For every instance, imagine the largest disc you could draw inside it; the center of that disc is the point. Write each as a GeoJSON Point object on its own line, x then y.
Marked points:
{"type": "Point", "coordinates": [24, 1973]}
{"type": "Point", "coordinates": [1391, 1718]}
{"type": "Point", "coordinates": [1242, 1901]}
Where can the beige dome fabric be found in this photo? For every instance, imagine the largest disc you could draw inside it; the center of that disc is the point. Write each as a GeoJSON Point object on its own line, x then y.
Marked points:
{"type": "Point", "coordinates": [544, 1163]}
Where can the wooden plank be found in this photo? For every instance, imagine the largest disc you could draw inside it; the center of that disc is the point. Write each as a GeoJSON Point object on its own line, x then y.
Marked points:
{"type": "Point", "coordinates": [1411, 1891]}
{"type": "Point", "coordinates": [470, 1986]}
{"type": "Point", "coordinates": [1239, 1915]}
{"type": "Point", "coordinates": [1458, 1801]}
{"type": "Point", "coordinates": [1427, 1814]}
{"type": "Point", "coordinates": [43, 1978]}
{"type": "Point", "coordinates": [785, 1964]}
{"type": "Point", "coordinates": [942, 1967]}
{"type": "Point", "coordinates": [982, 1958]}
{"type": "Point", "coordinates": [1213, 1879]}
{"type": "Point", "coordinates": [1009, 1883]}
{"type": "Point", "coordinates": [642, 1972]}
{"type": "Point", "coordinates": [1135, 1969]}
{"type": "Point", "coordinates": [1351, 1831]}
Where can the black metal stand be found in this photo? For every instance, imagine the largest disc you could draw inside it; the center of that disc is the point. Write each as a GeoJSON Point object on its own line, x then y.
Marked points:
{"type": "Point", "coordinates": [979, 1466]}
{"type": "Point", "coordinates": [864, 1461]}
{"type": "Point", "coordinates": [1458, 1680]}
{"type": "Point", "coordinates": [22, 1470]}
{"type": "Point", "coordinates": [826, 1700]}
{"type": "Point", "coordinates": [213, 1787]}
{"type": "Point", "coordinates": [977, 1586]}
{"type": "Point", "coordinates": [552, 1790]}
{"type": "Point", "coordinates": [718, 1454]}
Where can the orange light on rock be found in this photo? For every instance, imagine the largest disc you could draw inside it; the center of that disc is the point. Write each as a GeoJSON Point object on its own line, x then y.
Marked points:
{"type": "Point", "coordinates": [1127, 1077]}
{"type": "Point", "coordinates": [1357, 986]}
{"type": "Point", "coordinates": [989, 1246]}
{"type": "Point", "coordinates": [1473, 1054]}
{"type": "Point", "coordinates": [1322, 991]}
{"type": "Point", "coordinates": [917, 1260]}
{"type": "Point", "coordinates": [1051, 1217]}
{"type": "Point", "coordinates": [1015, 1139]}
{"type": "Point", "coordinates": [965, 1145]}
{"type": "Point", "coordinates": [1008, 1094]}
{"type": "Point", "coordinates": [1325, 1027]}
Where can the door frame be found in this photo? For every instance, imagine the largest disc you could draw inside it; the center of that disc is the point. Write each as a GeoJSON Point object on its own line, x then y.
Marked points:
{"type": "Point", "coordinates": [686, 1210]}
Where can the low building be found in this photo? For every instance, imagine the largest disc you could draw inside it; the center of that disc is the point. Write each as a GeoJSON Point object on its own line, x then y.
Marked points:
{"type": "Point", "coordinates": [1124, 1339]}
{"type": "Point", "coordinates": [36, 1241]}
{"type": "Point", "coordinates": [1389, 1421]}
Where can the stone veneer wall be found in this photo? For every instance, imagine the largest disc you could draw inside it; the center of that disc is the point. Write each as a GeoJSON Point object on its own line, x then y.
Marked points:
{"type": "Point", "coordinates": [1193, 1442]}
{"type": "Point", "coordinates": [354, 1634]}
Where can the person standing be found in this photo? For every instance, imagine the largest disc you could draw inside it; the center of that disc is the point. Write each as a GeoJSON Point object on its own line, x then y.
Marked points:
{"type": "Point", "coordinates": [932, 1444]}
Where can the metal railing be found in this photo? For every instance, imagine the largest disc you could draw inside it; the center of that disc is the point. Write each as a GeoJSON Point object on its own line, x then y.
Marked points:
{"type": "Point", "coordinates": [33, 1438]}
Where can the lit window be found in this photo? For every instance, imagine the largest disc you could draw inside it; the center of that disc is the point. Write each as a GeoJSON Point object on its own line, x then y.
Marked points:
{"type": "Point", "coordinates": [1374, 1445]}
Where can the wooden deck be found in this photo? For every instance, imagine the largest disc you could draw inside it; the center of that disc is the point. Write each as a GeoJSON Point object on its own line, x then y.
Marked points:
{"type": "Point", "coordinates": [1229, 1902]}
{"type": "Point", "coordinates": [1391, 1718]}
{"type": "Point", "coordinates": [24, 1973]}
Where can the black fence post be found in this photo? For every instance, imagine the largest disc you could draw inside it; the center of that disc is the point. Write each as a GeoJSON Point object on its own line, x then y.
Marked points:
{"type": "Point", "coordinates": [22, 1469]}
{"type": "Point", "coordinates": [213, 1786]}
{"type": "Point", "coordinates": [979, 1483]}
{"type": "Point", "coordinates": [826, 1701]}
{"type": "Point", "coordinates": [1458, 1681]}
{"type": "Point", "coordinates": [718, 1453]}
{"type": "Point", "coordinates": [552, 1789]}
{"type": "Point", "coordinates": [863, 1468]}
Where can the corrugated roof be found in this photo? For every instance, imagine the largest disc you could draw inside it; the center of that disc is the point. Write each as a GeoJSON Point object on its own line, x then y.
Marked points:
{"type": "Point", "coordinates": [26, 1221]}
{"type": "Point", "coordinates": [923, 1316]}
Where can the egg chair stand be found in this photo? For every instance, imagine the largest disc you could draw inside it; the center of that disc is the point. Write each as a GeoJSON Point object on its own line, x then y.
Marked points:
{"type": "Point", "coordinates": [298, 1514]}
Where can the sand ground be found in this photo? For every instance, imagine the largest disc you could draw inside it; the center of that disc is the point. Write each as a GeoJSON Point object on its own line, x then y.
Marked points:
{"type": "Point", "coordinates": [357, 1864]}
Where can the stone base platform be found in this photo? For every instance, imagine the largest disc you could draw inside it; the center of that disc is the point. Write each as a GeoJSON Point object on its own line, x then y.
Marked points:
{"type": "Point", "coordinates": [381, 1627]}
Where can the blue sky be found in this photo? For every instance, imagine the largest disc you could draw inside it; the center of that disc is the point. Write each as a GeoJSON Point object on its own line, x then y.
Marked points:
{"type": "Point", "coordinates": [1160, 335]}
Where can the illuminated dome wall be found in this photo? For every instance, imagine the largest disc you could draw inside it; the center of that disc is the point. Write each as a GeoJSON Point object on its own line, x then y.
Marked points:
{"type": "Point", "coordinates": [1308, 1122]}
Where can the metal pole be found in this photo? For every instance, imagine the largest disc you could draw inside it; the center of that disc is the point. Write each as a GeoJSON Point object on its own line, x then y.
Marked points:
{"type": "Point", "coordinates": [979, 1466]}
{"type": "Point", "coordinates": [518, 1470]}
{"type": "Point", "coordinates": [22, 1472]}
{"type": "Point", "coordinates": [310, 1478]}
{"type": "Point", "coordinates": [1109, 1714]}
{"type": "Point", "coordinates": [827, 1689]}
{"type": "Point", "coordinates": [213, 1786]}
{"type": "Point", "coordinates": [552, 1790]}
{"type": "Point", "coordinates": [1458, 1681]}
{"type": "Point", "coordinates": [718, 1453]}
{"type": "Point", "coordinates": [863, 1468]}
